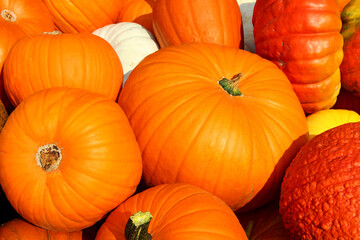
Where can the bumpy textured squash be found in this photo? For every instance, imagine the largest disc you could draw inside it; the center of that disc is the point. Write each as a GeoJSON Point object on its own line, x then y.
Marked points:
{"type": "Point", "coordinates": [216, 117]}
{"type": "Point", "coordinates": [302, 37]}
{"type": "Point", "coordinates": [67, 157]}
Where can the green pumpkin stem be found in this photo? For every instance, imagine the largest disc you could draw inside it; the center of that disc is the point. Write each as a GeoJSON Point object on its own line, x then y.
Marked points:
{"type": "Point", "coordinates": [137, 226]}
{"type": "Point", "coordinates": [231, 86]}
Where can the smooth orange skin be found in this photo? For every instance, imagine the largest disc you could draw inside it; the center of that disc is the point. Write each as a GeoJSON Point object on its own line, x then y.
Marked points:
{"type": "Point", "coordinates": [101, 164]}
{"type": "Point", "coordinates": [180, 212]}
{"type": "Point", "coordinates": [138, 11]}
{"type": "Point", "coordinates": [19, 229]}
{"type": "Point", "coordinates": [80, 60]}
{"type": "Point", "coordinates": [32, 17]}
{"type": "Point", "coordinates": [303, 39]}
{"type": "Point", "coordinates": [83, 16]}
{"type": "Point", "coordinates": [343, 3]}
{"type": "Point", "coordinates": [191, 130]}
{"type": "Point", "coordinates": [320, 194]}
{"type": "Point", "coordinates": [211, 21]}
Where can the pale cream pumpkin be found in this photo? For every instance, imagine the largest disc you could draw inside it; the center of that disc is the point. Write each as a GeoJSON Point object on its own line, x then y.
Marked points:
{"type": "Point", "coordinates": [246, 9]}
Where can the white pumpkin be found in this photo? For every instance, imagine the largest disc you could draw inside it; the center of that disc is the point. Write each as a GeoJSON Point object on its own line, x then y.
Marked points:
{"type": "Point", "coordinates": [246, 9]}
{"type": "Point", "coordinates": [131, 41]}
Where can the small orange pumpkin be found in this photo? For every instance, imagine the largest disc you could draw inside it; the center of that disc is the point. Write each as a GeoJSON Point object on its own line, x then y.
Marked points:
{"type": "Point", "coordinates": [80, 60]}
{"type": "Point", "coordinates": [67, 157]}
{"type": "Point", "coordinates": [19, 229]}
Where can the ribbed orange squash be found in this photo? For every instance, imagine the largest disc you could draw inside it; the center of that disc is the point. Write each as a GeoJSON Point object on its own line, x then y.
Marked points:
{"type": "Point", "coordinates": [19, 229]}
{"type": "Point", "coordinates": [216, 117]}
{"type": "Point", "coordinates": [68, 157]}
{"type": "Point", "coordinates": [302, 37]}
{"type": "Point", "coordinates": [80, 60]}
{"type": "Point", "coordinates": [18, 19]}
{"type": "Point", "coordinates": [179, 212]}
{"type": "Point", "coordinates": [83, 16]}
{"type": "Point", "coordinates": [211, 21]}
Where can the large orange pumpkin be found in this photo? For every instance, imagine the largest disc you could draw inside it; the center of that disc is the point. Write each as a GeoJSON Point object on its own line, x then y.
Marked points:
{"type": "Point", "coordinates": [83, 15]}
{"type": "Point", "coordinates": [213, 116]}
{"type": "Point", "coordinates": [211, 21]}
{"type": "Point", "coordinates": [320, 193]}
{"type": "Point", "coordinates": [302, 37]}
{"type": "Point", "coordinates": [67, 157]}
{"type": "Point", "coordinates": [18, 19]}
{"type": "Point", "coordinates": [19, 229]}
{"type": "Point", "coordinates": [179, 212]}
{"type": "Point", "coordinates": [80, 60]}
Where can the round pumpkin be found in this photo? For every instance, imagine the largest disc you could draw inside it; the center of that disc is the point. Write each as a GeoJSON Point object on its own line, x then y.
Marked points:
{"type": "Point", "coordinates": [343, 3]}
{"type": "Point", "coordinates": [18, 19]}
{"type": "Point", "coordinates": [131, 41]}
{"type": "Point", "coordinates": [79, 60]}
{"type": "Point", "coordinates": [178, 211]}
{"type": "Point", "coordinates": [350, 66]}
{"type": "Point", "coordinates": [246, 9]}
{"type": "Point", "coordinates": [19, 229]}
{"type": "Point", "coordinates": [320, 194]}
{"type": "Point", "coordinates": [83, 16]}
{"type": "Point", "coordinates": [211, 21]}
{"type": "Point", "coordinates": [138, 11]}
{"type": "Point", "coordinates": [302, 37]}
{"type": "Point", "coordinates": [213, 116]}
{"type": "Point", "coordinates": [325, 119]}
{"type": "Point", "coordinates": [67, 157]}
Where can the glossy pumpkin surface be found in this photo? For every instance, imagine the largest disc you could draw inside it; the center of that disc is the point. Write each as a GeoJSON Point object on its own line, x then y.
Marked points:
{"type": "Point", "coordinates": [303, 39]}
{"type": "Point", "coordinates": [19, 229]}
{"type": "Point", "coordinates": [320, 193]}
{"type": "Point", "coordinates": [138, 11]}
{"type": "Point", "coordinates": [179, 212]}
{"type": "Point", "coordinates": [67, 157]}
{"type": "Point", "coordinates": [350, 66]}
{"type": "Point", "coordinates": [190, 129]}
{"type": "Point", "coordinates": [80, 60]}
{"type": "Point", "coordinates": [176, 22]}
{"type": "Point", "coordinates": [83, 16]}
{"type": "Point", "coordinates": [19, 19]}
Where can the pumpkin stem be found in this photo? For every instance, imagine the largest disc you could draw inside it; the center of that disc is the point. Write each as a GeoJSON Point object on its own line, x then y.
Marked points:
{"type": "Point", "coordinates": [231, 86]}
{"type": "Point", "coordinates": [137, 226]}
{"type": "Point", "coordinates": [48, 157]}
{"type": "Point", "coordinates": [55, 32]}
{"type": "Point", "coordinates": [249, 228]}
{"type": "Point", "coordinates": [8, 15]}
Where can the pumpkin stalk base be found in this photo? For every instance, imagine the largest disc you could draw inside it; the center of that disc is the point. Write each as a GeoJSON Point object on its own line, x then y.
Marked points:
{"type": "Point", "coordinates": [49, 157]}
{"type": "Point", "coordinates": [137, 226]}
{"type": "Point", "coordinates": [8, 15]}
{"type": "Point", "coordinates": [231, 86]}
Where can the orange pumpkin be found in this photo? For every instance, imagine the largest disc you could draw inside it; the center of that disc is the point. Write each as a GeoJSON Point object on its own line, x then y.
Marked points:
{"type": "Point", "coordinates": [18, 19]}
{"type": "Point", "coordinates": [178, 212]}
{"type": "Point", "coordinates": [211, 21]}
{"type": "Point", "coordinates": [19, 229]}
{"type": "Point", "coordinates": [67, 157]}
{"type": "Point", "coordinates": [80, 60]}
{"type": "Point", "coordinates": [83, 16]}
{"type": "Point", "coordinates": [302, 37]}
{"type": "Point", "coordinates": [216, 117]}
{"type": "Point", "coordinates": [138, 11]}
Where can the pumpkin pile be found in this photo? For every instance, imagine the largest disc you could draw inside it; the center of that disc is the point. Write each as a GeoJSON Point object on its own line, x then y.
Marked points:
{"type": "Point", "coordinates": [169, 119]}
